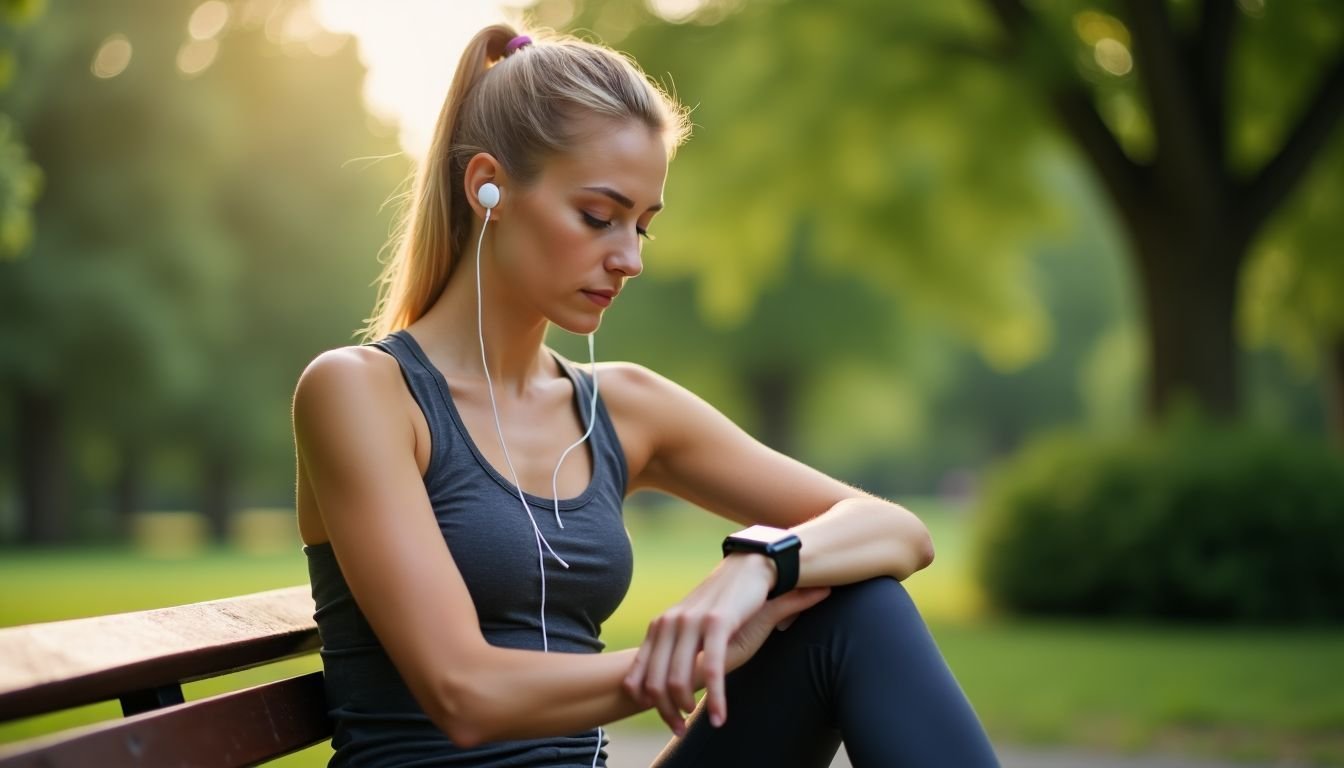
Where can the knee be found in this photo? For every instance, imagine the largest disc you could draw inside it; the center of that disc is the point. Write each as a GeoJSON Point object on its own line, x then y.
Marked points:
{"type": "Point", "coordinates": [864, 602]}
{"type": "Point", "coordinates": [876, 595]}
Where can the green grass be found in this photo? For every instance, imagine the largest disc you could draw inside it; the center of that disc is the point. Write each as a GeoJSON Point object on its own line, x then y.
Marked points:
{"type": "Point", "coordinates": [1231, 692]}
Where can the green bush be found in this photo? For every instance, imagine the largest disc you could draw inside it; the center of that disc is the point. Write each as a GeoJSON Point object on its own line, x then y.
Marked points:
{"type": "Point", "coordinates": [1193, 522]}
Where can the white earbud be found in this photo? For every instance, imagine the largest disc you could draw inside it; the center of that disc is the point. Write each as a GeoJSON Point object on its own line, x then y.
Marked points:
{"type": "Point", "coordinates": [488, 194]}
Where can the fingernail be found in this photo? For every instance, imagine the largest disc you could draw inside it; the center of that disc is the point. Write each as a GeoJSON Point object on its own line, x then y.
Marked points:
{"type": "Point", "coordinates": [716, 720]}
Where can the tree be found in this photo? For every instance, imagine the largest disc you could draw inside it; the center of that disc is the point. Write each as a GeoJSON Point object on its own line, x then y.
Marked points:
{"type": "Point", "coordinates": [1191, 207]}
{"type": "Point", "coordinates": [99, 318]}
{"type": "Point", "coordinates": [203, 236]}
{"type": "Point", "coordinates": [921, 141]}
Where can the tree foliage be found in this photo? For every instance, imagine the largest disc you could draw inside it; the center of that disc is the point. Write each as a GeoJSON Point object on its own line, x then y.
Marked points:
{"type": "Point", "coordinates": [20, 178]}
{"type": "Point", "coordinates": [924, 139]}
{"type": "Point", "coordinates": [203, 234]}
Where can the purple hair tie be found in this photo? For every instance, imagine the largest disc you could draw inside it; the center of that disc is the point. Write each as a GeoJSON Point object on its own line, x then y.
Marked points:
{"type": "Point", "coordinates": [516, 43]}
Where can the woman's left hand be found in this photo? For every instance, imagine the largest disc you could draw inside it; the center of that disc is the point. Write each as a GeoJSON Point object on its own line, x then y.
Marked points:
{"type": "Point", "coordinates": [698, 638]}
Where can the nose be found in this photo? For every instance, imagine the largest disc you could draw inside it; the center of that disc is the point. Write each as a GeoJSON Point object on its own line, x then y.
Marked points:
{"type": "Point", "coordinates": [626, 258]}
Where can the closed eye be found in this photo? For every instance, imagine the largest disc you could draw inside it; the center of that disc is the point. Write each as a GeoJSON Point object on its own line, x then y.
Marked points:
{"type": "Point", "coordinates": [603, 224]}
{"type": "Point", "coordinates": [595, 222]}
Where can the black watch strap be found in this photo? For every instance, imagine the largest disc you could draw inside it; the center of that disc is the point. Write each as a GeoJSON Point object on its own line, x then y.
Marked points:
{"type": "Point", "coordinates": [786, 573]}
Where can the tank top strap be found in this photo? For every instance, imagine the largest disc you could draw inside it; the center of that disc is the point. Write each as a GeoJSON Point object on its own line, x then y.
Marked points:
{"type": "Point", "coordinates": [583, 387]}
{"type": "Point", "coordinates": [607, 446]}
{"type": "Point", "coordinates": [422, 381]}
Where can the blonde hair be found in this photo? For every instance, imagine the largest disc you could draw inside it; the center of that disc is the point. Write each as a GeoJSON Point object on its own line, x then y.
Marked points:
{"type": "Point", "coordinates": [520, 107]}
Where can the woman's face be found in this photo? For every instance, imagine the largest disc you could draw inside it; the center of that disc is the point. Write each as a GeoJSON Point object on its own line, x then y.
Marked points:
{"type": "Point", "coordinates": [568, 241]}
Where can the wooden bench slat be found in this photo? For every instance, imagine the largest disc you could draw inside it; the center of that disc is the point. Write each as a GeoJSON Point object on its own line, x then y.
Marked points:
{"type": "Point", "coordinates": [61, 664]}
{"type": "Point", "coordinates": [232, 729]}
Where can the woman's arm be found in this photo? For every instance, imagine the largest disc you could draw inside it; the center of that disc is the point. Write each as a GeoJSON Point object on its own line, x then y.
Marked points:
{"type": "Point", "coordinates": [861, 537]}
{"type": "Point", "coordinates": [681, 445]}
{"type": "Point", "coordinates": [685, 447]}
{"type": "Point", "coordinates": [356, 451]}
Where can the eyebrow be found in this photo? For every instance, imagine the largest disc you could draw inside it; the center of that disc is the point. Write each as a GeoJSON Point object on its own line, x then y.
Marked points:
{"type": "Point", "coordinates": [622, 199]}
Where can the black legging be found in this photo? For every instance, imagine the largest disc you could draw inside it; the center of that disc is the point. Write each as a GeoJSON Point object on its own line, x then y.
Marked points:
{"type": "Point", "coordinates": [861, 667]}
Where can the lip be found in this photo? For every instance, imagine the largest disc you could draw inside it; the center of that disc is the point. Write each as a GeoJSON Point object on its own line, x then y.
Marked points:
{"type": "Point", "coordinates": [601, 298]}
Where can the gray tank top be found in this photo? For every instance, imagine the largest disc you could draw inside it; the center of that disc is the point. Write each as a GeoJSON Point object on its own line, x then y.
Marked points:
{"type": "Point", "coordinates": [377, 721]}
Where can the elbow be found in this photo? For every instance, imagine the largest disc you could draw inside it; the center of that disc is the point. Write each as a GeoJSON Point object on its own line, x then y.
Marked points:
{"type": "Point", "coordinates": [463, 733]}
{"type": "Point", "coordinates": [466, 737]}
{"type": "Point", "coordinates": [923, 550]}
{"type": "Point", "coordinates": [459, 713]}
{"type": "Point", "coordinates": [917, 545]}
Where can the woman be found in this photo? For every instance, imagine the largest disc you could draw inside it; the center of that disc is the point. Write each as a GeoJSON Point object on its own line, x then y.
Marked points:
{"type": "Point", "coordinates": [459, 427]}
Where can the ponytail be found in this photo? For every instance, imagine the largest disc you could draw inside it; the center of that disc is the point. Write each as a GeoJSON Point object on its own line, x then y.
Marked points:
{"type": "Point", "coordinates": [427, 238]}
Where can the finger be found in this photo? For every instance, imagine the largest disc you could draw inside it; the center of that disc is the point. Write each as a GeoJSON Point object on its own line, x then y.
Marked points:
{"type": "Point", "coordinates": [681, 664]}
{"type": "Point", "coordinates": [712, 663]}
{"type": "Point", "coordinates": [655, 677]}
{"type": "Point", "coordinates": [795, 602]}
{"type": "Point", "coordinates": [634, 679]}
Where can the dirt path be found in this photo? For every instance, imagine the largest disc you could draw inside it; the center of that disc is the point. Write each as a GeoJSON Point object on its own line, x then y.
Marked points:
{"type": "Point", "coordinates": [633, 748]}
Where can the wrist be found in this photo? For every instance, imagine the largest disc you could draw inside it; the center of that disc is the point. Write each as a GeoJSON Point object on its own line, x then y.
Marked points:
{"type": "Point", "coordinates": [756, 566]}
{"type": "Point", "coordinates": [777, 545]}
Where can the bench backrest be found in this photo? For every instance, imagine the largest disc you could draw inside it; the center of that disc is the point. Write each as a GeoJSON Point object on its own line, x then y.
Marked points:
{"type": "Point", "coordinates": [143, 659]}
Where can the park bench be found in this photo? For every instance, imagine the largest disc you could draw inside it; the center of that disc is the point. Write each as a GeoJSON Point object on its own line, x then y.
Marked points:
{"type": "Point", "coordinates": [142, 659]}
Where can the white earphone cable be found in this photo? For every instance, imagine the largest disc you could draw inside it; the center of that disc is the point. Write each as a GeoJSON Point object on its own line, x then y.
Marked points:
{"type": "Point", "coordinates": [499, 431]}
{"type": "Point", "coordinates": [599, 746]}
{"type": "Point", "coordinates": [592, 419]}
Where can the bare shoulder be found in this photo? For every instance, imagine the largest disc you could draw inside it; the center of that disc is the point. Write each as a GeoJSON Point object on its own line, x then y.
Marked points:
{"type": "Point", "coordinates": [350, 398]}
{"type": "Point", "coordinates": [347, 377]}
{"type": "Point", "coordinates": [632, 383]}
{"type": "Point", "coordinates": [636, 394]}
{"type": "Point", "coordinates": [651, 413]}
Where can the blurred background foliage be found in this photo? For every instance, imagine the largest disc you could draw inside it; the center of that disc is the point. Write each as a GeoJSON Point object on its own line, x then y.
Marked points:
{"type": "Point", "coordinates": [914, 244]}
{"type": "Point", "coordinates": [1077, 216]}
{"type": "Point", "coordinates": [899, 245]}
{"type": "Point", "coordinates": [1190, 521]}
{"type": "Point", "coordinates": [206, 226]}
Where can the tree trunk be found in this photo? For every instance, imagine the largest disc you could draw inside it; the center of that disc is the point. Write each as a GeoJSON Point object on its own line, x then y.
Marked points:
{"type": "Point", "coordinates": [217, 494]}
{"type": "Point", "coordinates": [1188, 274]}
{"type": "Point", "coordinates": [44, 477]}
{"type": "Point", "coordinates": [775, 395]}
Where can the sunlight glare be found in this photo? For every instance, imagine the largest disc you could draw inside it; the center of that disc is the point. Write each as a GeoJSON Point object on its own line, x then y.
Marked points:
{"type": "Point", "coordinates": [113, 56]}
{"type": "Point", "coordinates": [410, 48]}
{"type": "Point", "coordinates": [675, 11]}
{"type": "Point", "coordinates": [196, 55]}
{"type": "Point", "coordinates": [208, 20]}
{"type": "Point", "coordinates": [1112, 56]}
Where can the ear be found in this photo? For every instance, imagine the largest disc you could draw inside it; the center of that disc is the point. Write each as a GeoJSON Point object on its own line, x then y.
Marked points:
{"type": "Point", "coordinates": [481, 168]}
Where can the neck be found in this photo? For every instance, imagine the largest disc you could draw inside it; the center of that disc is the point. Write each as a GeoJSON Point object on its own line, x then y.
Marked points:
{"type": "Point", "coordinates": [514, 335]}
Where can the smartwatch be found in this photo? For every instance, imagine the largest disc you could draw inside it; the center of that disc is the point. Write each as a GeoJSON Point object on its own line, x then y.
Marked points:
{"type": "Point", "coordinates": [779, 545]}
